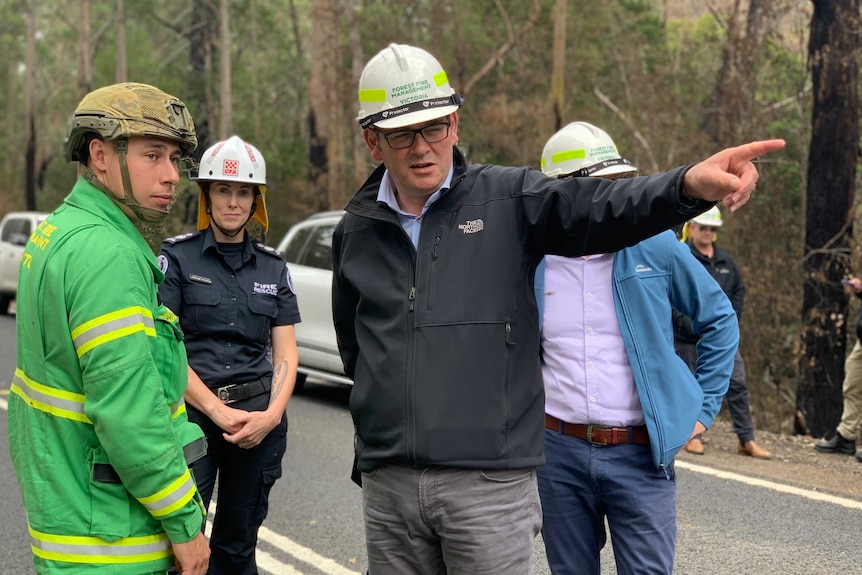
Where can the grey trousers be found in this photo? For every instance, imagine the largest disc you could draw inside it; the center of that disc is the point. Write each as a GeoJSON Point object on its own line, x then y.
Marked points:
{"type": "Point", "coordinates": [737, 394]}
{"type": "Point", "coordinates": [445, 521]}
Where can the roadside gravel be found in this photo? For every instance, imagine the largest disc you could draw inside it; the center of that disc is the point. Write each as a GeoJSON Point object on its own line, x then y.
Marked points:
{"type": "Point", "coordinates": [794, 461]}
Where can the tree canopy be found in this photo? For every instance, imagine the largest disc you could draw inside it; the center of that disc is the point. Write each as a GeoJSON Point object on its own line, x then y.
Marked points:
{"type": "Point", "coordinates": [671, 80]}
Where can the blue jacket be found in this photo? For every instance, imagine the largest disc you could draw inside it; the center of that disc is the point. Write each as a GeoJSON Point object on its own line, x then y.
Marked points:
{"type": "Point", "coordinates": [649, 278]}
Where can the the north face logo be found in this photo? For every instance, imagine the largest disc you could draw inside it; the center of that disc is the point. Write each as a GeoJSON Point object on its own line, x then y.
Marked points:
{"type": "Point", "coordinates": [472, 226]}
{"type": "Point", "coordinates": [640, 268]}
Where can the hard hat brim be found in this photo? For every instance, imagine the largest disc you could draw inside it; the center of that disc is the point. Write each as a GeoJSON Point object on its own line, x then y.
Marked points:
{"type": "Point", "coordinates": [707, 222]}
{"type": "Point", "coordinates": [614, 170]}
{"type": "Point", "coordinates": [416, 117]}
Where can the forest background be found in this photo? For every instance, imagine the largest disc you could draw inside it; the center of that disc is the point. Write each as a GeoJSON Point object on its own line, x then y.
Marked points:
{"type": "Point", "coordinates": [672, 81]}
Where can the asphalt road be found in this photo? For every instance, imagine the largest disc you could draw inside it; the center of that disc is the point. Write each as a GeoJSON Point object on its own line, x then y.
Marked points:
{"type": "Point", "coordinates": [729, 521]}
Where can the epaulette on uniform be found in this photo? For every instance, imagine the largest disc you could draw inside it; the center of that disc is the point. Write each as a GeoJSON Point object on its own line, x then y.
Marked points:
{"type": "Point", "coordinates": [268, 250]}
{"type": "Point", "coordinates": [181, 237]}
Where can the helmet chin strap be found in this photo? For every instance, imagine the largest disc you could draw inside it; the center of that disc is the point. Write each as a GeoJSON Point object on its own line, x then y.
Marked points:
{"type": "Point", "coordinates": [144, 214]}
{"type": "Point", "coordinates": [150, 215]}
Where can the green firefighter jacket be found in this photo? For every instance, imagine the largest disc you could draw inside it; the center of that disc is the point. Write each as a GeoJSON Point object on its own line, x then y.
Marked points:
{"type": "Point", "coordinates": [97, 424]}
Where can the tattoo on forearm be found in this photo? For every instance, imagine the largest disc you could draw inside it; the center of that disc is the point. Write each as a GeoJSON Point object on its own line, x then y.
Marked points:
{"type": "Point", "coordinates": [279, 374]}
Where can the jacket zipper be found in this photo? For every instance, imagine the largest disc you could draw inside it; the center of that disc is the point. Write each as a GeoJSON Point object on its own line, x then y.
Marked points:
{"type": "Point", "coordinates": [434, 256]}
{"type": "Point", "coordinates": [659, 431]}
{"type": "Point", "coordinates": [409, 407]}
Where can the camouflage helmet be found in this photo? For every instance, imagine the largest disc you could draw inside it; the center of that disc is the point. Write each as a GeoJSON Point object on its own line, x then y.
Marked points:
{"type": "Point", "coordinates": [129, 109]}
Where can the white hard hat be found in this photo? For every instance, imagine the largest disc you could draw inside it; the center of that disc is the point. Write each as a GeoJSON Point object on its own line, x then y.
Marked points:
{"type": "Point", "coordinates": [403, 85]}
{"type": "Point", "coordinates": [233, 160]}
{"type": "Point", "coordinates": [581, 149]}
{"type": "Point", "coordinates": [711, 217]}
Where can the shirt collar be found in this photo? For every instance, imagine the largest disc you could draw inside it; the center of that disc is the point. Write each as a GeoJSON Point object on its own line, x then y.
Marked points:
{"type": "Point", "coordinates": [386, 193]}
{"type": "Point", "coordinates": [210, 243]}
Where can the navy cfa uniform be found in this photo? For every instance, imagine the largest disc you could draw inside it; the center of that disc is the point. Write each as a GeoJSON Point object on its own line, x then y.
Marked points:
{"type": "Point", "coordinates": [228, 297]}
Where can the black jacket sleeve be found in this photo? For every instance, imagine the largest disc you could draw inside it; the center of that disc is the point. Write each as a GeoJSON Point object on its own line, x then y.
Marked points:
{"type": "Point", "coordinates": [582, 216]}
{"type": "Point", "coordinates": [344, 302]}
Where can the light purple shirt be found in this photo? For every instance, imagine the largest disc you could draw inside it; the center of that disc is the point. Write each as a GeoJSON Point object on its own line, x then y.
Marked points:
{"type": "Point", "coordinates": [410, 222]}
{"type": "Point", "coordinates": [588, 377]}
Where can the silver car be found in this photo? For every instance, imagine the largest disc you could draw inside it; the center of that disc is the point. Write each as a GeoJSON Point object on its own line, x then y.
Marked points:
{"type": "Point", "coordinates": [307, 246]}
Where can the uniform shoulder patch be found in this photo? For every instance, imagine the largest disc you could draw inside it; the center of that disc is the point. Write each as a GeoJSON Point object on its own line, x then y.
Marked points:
{"type": "Point", "coordinates": [267, 249]}
{"type": "Point", "coordinates": [163, 263]}
{"type": "Point", "coordinates": [181, 237]}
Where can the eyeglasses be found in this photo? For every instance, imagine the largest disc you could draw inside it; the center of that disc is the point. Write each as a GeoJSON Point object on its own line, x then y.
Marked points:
{"type": "Point", "coordinates": [404, 138]}
{"type": "Point", "coordinates": [712, 229]}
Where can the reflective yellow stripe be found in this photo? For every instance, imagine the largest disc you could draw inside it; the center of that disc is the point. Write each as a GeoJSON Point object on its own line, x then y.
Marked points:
{"type": "Point", "coordinates": [378, 95]}
{"type": "Point", "coordinates": [568, 155]}
{"type": "Point", "coordinates": [172, 497]}
{"type": "Point", "coordinates": [440, 78]}
{"type": "Point", "coordinates": [112, 326]}
{"type": "Point", "coordinates": [177, 409]}
{"type": "Point", "coordinates": [60, 403]}
{"type": "Point", "coordinates": [78, 549]}
{"type": "Point", "coordinates": [168, 315]}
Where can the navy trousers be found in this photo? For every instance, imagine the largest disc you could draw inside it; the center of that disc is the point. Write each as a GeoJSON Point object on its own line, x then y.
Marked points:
{"type": "Point", "coordinates": [245, 478]}
{"type": "Point", "coordinates": [581, 485]}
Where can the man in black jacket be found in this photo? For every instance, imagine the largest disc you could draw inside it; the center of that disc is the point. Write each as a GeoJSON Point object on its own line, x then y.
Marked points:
{"type": "Point", "coordinates": [844, 440]}
{"type": "Point", "coordinates": [701, 231]}
{"type": "Point", "coordinates": [437, 324]}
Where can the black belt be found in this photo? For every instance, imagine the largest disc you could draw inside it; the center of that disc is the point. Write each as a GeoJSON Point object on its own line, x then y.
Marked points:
{"type": "Point", "coordinates": [238, 391]}
{"type": "Point", "coordinates": [105, 472]}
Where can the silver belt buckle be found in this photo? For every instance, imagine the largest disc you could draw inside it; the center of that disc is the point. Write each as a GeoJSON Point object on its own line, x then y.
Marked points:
{"type": "Point", "coordinates": [590, 435]}
{"type": "Point", "coordinates": [224, 395]}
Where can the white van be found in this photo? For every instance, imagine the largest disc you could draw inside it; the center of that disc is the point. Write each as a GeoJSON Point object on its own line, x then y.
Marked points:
{"type": "Point", "coordinates": [15, 230]}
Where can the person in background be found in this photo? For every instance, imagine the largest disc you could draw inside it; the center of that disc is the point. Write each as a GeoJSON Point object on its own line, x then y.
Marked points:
{"type": "Point", "coordinates": [619, 403]}
{"type": "Point", "coordinates": [98, 431]}
{"type": "Point", "coordinates": [699, 235]}
{"type": "Point", "coordinates": [844, 440]}
{"type": "Point", "coordinates": [436, 319]}
{"type": "Point", "coordinates": [235, 300]}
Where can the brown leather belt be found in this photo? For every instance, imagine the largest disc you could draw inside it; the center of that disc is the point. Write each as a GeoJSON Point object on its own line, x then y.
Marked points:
{"type": "Point", "coordinates": [598, 434]}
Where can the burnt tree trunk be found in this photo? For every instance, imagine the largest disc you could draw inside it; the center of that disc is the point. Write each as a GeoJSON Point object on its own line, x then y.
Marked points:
{"type": "Point", "coordinates": [121, 74]}
{"type": "Point", "coordinates": [200, 35]}
{"type": "Point", "coordinates": [225, 125]}
{"type": "Point", "coordinates": [833, 155]}
{"type": "Point", "coordinates": [748, 26]}
{"type": "Point", "coordinates": [323, 130]}
{"type": "Point", "coordinates": [30, 114]}
{"type": "Point", "coordinates": [558, 69]}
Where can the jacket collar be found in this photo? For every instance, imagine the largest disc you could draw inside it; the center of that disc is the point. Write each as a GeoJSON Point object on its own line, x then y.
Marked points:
{"type": "Point", "coordinates": [364, 201]}
{"type": "Point", "coordinates": [88, 198]}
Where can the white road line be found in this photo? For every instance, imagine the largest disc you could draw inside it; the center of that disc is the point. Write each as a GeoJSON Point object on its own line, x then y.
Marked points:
{"type": "Point", "coordinates": [269, 564]}
{"type": "Point", "coordinates": [808, 494]}
{"type": "Point", "coordinates": [272, 565]}
{"type": "Point", "coordinates": [304, 554]}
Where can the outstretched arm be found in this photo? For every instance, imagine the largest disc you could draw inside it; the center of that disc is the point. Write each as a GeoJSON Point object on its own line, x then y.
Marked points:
{"type": "Point", "coordinates": [728, 176]}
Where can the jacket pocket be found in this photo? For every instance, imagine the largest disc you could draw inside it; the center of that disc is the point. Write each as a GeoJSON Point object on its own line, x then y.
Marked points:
{"type": "Point", "coordinates": [468, 361]}
{"type": "Point", "coordinates": [268, 476]}
{"type": "Point", "coordinates": [263, 311]}
{"type": "Point", "coordinates": [170, 354]}
{"type": "Point", "coordinates": [201, 306]}
{"type": "Point", "coordinates": [110, 513]}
